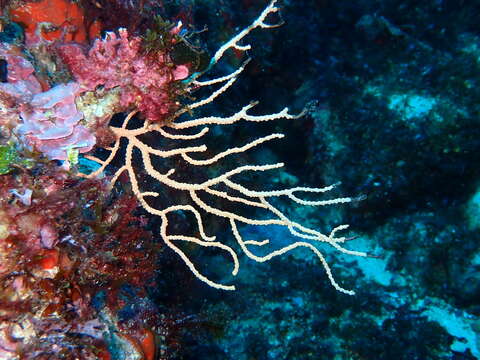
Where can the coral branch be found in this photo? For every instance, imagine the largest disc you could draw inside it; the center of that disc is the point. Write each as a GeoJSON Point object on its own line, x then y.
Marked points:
{"type": "Point", "coordinates": [221, 188]}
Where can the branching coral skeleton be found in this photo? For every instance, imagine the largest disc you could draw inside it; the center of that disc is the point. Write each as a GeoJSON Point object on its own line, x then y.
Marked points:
{"type": "Point", "coordinates": [235, 192]}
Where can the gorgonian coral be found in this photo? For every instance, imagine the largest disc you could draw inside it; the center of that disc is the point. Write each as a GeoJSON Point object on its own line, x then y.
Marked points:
{"type": "Point", "coordinates": [167, 167]}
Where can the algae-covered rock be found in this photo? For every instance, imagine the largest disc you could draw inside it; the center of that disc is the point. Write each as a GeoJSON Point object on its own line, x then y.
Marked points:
{"type": "Point", "coordinates": [9, 157]}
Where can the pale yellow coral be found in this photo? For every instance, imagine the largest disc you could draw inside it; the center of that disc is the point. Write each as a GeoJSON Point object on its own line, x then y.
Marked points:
{"type": "Point", "coordinates": [204, 196]}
